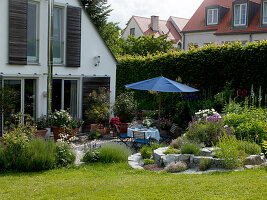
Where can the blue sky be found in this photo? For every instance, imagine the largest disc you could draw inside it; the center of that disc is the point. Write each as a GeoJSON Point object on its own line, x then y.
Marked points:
{"type": "Point", "coordinates": [124, 9]}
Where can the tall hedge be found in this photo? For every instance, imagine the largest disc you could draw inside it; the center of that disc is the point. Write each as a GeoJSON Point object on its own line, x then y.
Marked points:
{"type": "Point", "coordinates": [208, 68]}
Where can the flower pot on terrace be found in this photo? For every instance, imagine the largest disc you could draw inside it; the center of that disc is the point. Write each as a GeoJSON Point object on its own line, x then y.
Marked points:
{"type": "Point", "coordinates": [56, 131]}
{"type": "Point", "coordinates": [41, 133]}
{"type": "Point", "coordinates": [123, 128]}
{"type": "Point", "coordinates": [164, 132]}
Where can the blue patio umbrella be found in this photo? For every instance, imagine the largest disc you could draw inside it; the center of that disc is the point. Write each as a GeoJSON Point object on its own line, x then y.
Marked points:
{"type": "Point", "coordinates": [161, 84]}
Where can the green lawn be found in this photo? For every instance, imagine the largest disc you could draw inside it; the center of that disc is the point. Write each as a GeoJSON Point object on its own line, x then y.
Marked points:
{"type": "Point", "coordinates": [118, 181]}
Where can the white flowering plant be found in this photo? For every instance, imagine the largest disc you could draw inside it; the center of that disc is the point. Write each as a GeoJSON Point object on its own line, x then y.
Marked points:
{"type": "Point", "coordinates": [204, 114]}
{"type": "Point", "coordinates": [147, 122]}
{"type": "Point", "coordinates": [63, 119]}
{"type": "Point", "coordinates": [66, 138]}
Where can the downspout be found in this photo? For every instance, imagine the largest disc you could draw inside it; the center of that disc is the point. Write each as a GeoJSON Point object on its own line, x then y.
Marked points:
{"type": "Point", "coordinates": [183, 41]}
{"type": "Point", "coordinates": [50, 56]}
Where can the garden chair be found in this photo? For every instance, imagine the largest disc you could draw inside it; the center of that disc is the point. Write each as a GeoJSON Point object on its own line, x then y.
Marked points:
{"type": "Point", "coordinates": [167, 138]}
{"type": "Point", "coordinates": [122, 137]}
{"type": "Point", "coordinates": [139, 139]}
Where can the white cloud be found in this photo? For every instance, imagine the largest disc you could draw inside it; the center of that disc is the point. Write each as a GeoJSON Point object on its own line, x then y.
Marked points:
{"type": "Point", "coordinates": [124, 9]}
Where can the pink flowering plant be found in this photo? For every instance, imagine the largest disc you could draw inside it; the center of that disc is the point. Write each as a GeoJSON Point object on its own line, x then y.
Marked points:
{"type": "Point", "coordinates": [114, 121]}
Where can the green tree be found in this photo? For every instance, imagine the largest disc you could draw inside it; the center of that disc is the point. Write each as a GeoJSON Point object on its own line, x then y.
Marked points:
{"type": "Point", "coordinates": [98, 10]}
{"type": "Point", "coordinates": [111, 34]}
{"type": "Point", "coordinates": [144, 45]}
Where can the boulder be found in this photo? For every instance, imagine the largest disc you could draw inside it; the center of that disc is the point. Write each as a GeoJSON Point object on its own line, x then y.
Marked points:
{"type": "Point", "coordinates": [254, 160]}
{"type": "Point", "coordinates": [206, 151]}
{"type": "Point", "coordinates": [158, 155]}
{"type": "Point", "coordinates": [167, 159]}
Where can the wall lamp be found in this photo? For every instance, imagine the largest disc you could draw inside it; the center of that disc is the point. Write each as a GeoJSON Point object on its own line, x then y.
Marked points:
{"type": "Point", "coordinates": [97, 61]}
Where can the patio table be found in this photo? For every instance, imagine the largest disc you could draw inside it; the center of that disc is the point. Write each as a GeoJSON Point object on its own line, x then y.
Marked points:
{"type": "Point", "coordinates": [149, 133]}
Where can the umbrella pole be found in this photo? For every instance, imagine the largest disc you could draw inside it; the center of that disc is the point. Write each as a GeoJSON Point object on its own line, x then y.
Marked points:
{"type": "Point", "coordinates": [159, 105]}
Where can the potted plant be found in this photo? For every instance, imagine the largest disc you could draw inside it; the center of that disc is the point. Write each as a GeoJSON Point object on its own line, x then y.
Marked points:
{"type": "Point", "coordinates": [41, 124]}
{"type": "Point", "coordinates": [113, 123]}
{"type": "Point", "coordinates": [125, 107]}
{"type": "Point", "coordinates": [99, 109]}
{"type": "Point", "coordinates": [165, 126]}
{"type": "Point", "coordinates": [62, 122]}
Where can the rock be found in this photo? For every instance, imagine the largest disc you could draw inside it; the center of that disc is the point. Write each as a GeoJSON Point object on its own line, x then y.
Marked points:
{"type": "Point", "coordinates": [254, 160]}
{"type": "Point", "coordinates": [167, 159]}
{"type": "Point", "coordinates": [197, 159]}
{"type": "Point", "coordinates": [217, 162]}
{"type": "Point", "coordinates": [135, 165]}
{"type": "Point", "coordinates": [206, 151]}
{"type": "Point", "coordinates": [249, 166]}
{"type": "Point", "coordinates": [158, 155]}
{"type": "Point", "coordinates": [185, 158]}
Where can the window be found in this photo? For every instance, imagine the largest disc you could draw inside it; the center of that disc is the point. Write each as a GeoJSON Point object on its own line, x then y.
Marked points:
{"type": "Point", "coordinates": [212, 16]}
{"type": "Point", "coordinates": [240, 14]}
{"type": "Point", "coordinates": [58, 43]}
{"type": "Point", "coordinates": [132, 31]}
{"type": "Point", "coordinates": [32, 33]}
{"type": "Point", "coordinates": [65, 95]}
{"type": "Point", "coordinates": [264, 12]}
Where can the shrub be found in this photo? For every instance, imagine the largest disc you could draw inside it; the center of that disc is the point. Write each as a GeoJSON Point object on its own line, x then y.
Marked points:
{"type": "Point", "coordinates": [64, 155]}
{"type": "Point", "coordinates": [249, 124]}
{"type": "Point", "coordinates": [148, 162]}
{"type": "Point", "coordinates": [264, 147]}
{"type": "Point", "coordinates": [190, 148]}
{"type": "Point", "coordinates": [204, 164]}
{"type": "Point", "coordinates": [171, 151]}
{"type": "Point", "coordinates": [250, 148]}
{"type": "Point", "coordinates": [95, 134]}
{"type": "Point", "coordinates": [176, 167]}
{"type": "Point", "coordinates": [146, 152]}
{"type": "Point", "coordinates": [178, 142]}
{"type": "Point", "coordinates": [155, 146]}
{"type": "Point", "coordinates": [227, 150]}
{"type": "Point", "coordinates": [206, 131]}
{"type": "Point", "coordinates": [113, 153]}
{"type": "Point", "coordinates": [36, 155]}
{"type": "Point", "coordinates": [91, 153]}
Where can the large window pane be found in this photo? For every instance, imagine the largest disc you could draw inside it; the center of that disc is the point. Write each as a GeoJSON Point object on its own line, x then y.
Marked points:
{"type": "Point", "coordinates": [209, 16]}
{"type": "Point", "coordinates": [240, 14]}
{"type": "Point", "coordinates": [70, 96]}
{"type": "Point", "coordinates": [237, 14]}
{"type": "Point", "coordinates": [58, 37]}
{"type": "Point", "coordinates": [56, 94]}
{"type": "Point", "coordinates": [32, 39]}
{"type": "Point", "coordinates": [265, 12]}
{"type": "Point", "coordinates": [30, 97]}
{"type": "Point", "coordinates": [243, 14]}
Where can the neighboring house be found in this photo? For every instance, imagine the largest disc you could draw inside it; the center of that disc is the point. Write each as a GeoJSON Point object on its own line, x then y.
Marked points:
{"type": "Point", "coordinates": [138, 26]}
{"type": "Point", "coordinates": [82, 60]}
{"type": "Point", "coordinates": [217, 21]}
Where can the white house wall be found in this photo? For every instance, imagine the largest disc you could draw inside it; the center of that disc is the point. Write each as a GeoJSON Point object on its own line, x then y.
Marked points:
{"type": "Point", "coordinates": [91, 45]}
{"type": "Point", "coordinates": [132, 24]}
{"type": "Point", "coordinates": [202, 38]}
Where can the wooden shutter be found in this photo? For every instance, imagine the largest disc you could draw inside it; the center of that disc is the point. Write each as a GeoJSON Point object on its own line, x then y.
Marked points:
{"type": "Point", "coordinates": [18, 32]}
{"type": "Point", "coordinates": [1, 81]}
{"type": "Point", "coordinates": [73, 46]}
{"type": "Point", "coordinates": [90, 84]}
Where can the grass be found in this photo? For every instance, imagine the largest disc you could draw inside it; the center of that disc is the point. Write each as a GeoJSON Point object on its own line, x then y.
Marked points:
{"type": "Point", "coordinates": [118, 181]}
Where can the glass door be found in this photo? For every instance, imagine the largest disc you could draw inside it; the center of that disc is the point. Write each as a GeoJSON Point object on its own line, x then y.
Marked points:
{"type": "Point", "coordinates": [65, 95]}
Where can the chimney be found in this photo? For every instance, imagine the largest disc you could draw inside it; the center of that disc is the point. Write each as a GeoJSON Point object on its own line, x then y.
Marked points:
{"type": "Point", "coordinates": [155, 23]}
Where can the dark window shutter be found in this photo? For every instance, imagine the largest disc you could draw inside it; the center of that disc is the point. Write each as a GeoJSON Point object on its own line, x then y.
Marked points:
{"type": "Point", "coordinates": [1, 81]}
{"type": "Point", "coordinates": [18, 32]}
{"type": "Point", "coordinates": [90, 84]}
{"type": "Point", "coordinates": [73, 46]}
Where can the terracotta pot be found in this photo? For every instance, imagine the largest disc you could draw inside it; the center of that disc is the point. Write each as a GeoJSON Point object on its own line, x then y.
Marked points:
{"type": "Point", "coordinates": [115, 133]}
{"type": "Point", "coordinates": [96, 126]}
{"type": "Point", "coordinates": [56, 131]}
{"type": "Point", "coordinates": [123, 128]}
{"type": "Point", "coordinates": [164, 132]}
{"type": "Point", "coordinates": [41, 133]}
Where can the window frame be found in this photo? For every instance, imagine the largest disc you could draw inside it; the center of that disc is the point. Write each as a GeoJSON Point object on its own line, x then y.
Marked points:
{"type": "Point", "coordinates": [35, 59]}
{"type": "Point", "coordinates": [240, 14]}
{"type": "Point", "coordinates": [132, 31]}
{"type": "Point", "coordinates": [264, 3]}
{"type": "Point", "coordinates": [61, 61]}
{"type": "Point", "coordinates": [212, 14]}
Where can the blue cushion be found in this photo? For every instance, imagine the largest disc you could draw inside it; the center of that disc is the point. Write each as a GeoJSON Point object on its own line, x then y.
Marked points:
{"type": "Point", "coordinates": [122, 135]}
{"type": "Point", "coordinates": [165, 136]}
{"type": "Point", "coordinates": [143, 141]}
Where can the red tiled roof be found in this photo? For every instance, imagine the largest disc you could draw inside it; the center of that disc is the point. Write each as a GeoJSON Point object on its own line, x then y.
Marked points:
{"type": "Point", "coordinates": [180, 22]}
{"type": "Point", "coordinates": [197, 21]}
{"type": "Point", "coordinates": [165, 27]}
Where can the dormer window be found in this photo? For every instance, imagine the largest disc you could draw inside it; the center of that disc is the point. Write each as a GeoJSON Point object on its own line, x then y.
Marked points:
{"type": "Point", "coordinates": [212, 16]}
{"type": "Point", "coordinates": [132, 31]}
{"type": "Point", "coordinates": [264, 13]}
{"type": "Point", "coordinates": [240, 14]}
